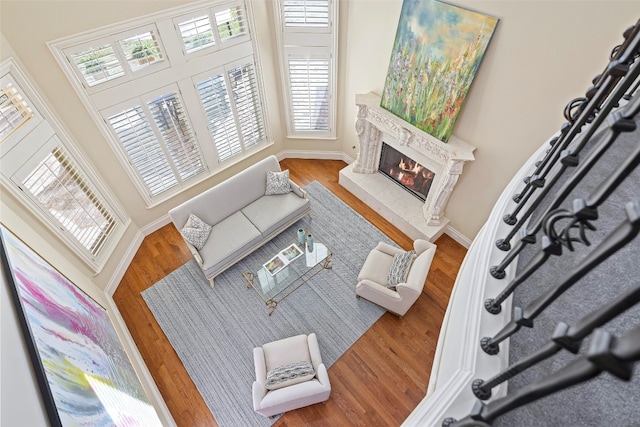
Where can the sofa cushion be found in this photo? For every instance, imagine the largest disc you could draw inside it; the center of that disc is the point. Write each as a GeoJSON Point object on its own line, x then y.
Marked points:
{"type": "Point", "coordinates": [289, 374]}
{"type": "Point", "coordinates": [196, 231]}
{"type": "Point", "coordinates": [228, 197]}
{"type": "Point", "coordinates": [270, 213]}
{"type": "Point", "coordinates": [376, 267]}
{"type": "Point", "coordinates": [229, 238]}
{"type": "Point", "coordinates": [277, 183]}
{"type": "Point", "coordinates": [399, 268]}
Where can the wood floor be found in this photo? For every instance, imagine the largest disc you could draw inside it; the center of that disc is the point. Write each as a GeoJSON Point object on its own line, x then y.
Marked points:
{"type": "Point", "coordinates": [377, 382]}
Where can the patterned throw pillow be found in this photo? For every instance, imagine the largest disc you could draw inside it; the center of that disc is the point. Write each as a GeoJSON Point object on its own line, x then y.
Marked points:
{"type": "Point", "coordinates": [196, 231]}
{"type": "Point", "coordinates": [290, 374]}
{"type": "Point", "coordinates": [278, 183]}
{"type": "Point", "coordinates": [400, 268]}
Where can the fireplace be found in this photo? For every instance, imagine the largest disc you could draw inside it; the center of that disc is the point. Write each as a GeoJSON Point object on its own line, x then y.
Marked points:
{"type": "Point", "coordinates": [406, 172]}
{"type": "Point", "coordinates": [419, 214]}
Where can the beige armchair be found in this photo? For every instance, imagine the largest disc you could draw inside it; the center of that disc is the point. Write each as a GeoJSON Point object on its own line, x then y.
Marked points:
{"type": "Point", "coordinates": [288, 391]}
{"type": "Point", "coordinates": [373, 277]}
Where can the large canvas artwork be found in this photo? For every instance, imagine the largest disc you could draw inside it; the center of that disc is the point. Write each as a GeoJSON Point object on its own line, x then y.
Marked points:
{"type": "Point", "coordinates": [83, 372]}
{"type": "Point", "coordinates": [436, 55]}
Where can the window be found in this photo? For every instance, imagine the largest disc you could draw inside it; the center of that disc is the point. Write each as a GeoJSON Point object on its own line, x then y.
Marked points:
{"type": "Point", "coordinates": [305, 13]}
{"type": "Point", "coordinates": [42, 169]}
{"type": "Point", "coordinates": [307, 42]}
{"type": "Point", "coordinates": [178, 94]}
{"type": "Point", "coordinates": [158, 141]}
{"type": "Point", "coordinates": [232, 109]}
{"type": "Point", "coordinates": [14, 110]}
{"type": "Point", "coordinates": [61, 189]}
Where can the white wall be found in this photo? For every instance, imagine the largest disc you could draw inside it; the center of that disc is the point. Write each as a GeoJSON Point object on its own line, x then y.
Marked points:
{"type": "Point", "coordinates": [543, 54]}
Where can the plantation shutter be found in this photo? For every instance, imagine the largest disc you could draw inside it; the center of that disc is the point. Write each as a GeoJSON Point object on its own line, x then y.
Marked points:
{"type": "Point", "coordinates": [196, 33]}
{"type": "Point", "coordinates": [141, 146]}
{"type": "Point", "coordinates": [217, 109]}
{"type": "Point", "coordinates": [41, 168]}
{"type": "Point", "coordinates": [305, 13]}
{"type": "Point", "coordinates": [309, 88]}
{"type": "Point", "coordinates": [14, 110]}
{"type": "Point", "coordinates": [177, 135]}
{"type": "Point", "coordinates": [98, 64]}
{"type": "Point", "coordinates": [235, 122]}
{"type": "Point", "coordinates": [159, 143]}
{"type": "Point", "coordinates": [247, 103]}
{"type": "Point", "coordinates": [59, 188]}
{"type": "Point", "coordinates": [231, 23]}
{"type": "Point", "coordinates": [307, 45]}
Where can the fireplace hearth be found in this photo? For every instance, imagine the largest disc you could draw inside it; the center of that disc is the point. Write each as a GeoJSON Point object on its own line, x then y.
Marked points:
{"type": "Point", "coordinates": [406, 172]}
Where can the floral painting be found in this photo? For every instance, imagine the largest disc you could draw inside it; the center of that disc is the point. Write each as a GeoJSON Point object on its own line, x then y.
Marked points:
{"type": "Point", "coordinates": [84, 374]}
{"type": "Point", "coordinates": [435, 57]}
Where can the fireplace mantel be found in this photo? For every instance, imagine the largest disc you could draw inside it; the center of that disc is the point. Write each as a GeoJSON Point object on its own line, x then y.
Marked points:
{"type": "Point", "coordinates": [416, 219]}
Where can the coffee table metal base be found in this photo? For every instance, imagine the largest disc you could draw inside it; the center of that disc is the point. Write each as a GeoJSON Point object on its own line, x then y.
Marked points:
{"type": "Point", "coordinates": [272, 303]}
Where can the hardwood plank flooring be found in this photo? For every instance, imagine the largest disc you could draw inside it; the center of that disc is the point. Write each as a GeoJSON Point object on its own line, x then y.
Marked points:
{"type": "Point", "coordinates": [378, 381]}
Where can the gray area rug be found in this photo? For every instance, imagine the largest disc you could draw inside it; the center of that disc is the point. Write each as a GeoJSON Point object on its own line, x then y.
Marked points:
{"type": "Point", "coordinates": [215, 330]}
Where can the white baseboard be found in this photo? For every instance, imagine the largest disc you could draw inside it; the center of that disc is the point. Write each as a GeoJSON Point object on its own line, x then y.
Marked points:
{"type": "Point", "coordinates": [118, 274]}
{"type": "Point", "coordinates": [306, 154]}
{"type": "Point", "coordinates": [458, 236]}
{"type": "Point", "coordinates": [155, 225]}
{"type": "Point", "coordinates": [140, 367]}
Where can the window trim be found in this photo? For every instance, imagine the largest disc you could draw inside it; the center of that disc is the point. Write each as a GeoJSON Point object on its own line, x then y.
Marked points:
{"type": "Point", "coordinates": [165, 21]}
{"type": "Point", "coordinates": [41, 107]}
{"type": "Point", "coordinates": [294, 39]}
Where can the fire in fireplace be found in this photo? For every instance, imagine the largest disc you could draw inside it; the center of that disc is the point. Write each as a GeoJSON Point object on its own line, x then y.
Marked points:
{"type": "Point", "coordinates": [405, 172]}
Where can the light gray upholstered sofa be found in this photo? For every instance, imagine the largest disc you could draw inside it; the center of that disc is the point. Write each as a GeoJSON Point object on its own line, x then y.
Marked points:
{"type": "Point", "coordinates": [241, 216]}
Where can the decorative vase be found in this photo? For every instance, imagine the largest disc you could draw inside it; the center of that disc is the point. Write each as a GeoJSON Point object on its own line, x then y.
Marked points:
{"type": "Point", "coordinates": [310, 242]}
{"type": "Point", "coordinates": [301, 236]}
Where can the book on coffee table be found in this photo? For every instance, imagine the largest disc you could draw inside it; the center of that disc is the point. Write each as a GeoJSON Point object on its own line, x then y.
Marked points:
{"type": "Point", "coordinates": [282, 259]}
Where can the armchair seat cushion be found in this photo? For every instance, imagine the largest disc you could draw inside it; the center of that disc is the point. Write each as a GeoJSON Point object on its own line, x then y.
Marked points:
{"type": "Point", "coordinates": [376, 267]}
{"type": "Point", "coordinates": [303, 391]}
{"type": "Point", "coordinates": [372, 280]}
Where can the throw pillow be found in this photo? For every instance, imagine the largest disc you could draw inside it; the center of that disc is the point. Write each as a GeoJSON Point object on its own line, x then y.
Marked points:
{"type": "Point", "coordinates": [196, 231]}
{"type": "Point", "coordinates": [278, 183]}
{"type": "Point", "coordinates": [400, 268]}
{"type": "Point", "coordinates": [290, 374]}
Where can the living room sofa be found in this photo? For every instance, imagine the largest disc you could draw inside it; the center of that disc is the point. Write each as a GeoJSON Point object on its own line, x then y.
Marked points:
{"type": "Point", "coordinates": [241, 216]}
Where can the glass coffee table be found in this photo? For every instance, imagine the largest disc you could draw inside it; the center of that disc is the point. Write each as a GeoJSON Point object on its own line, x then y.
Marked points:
{"type": "Point", "coordinates": [287, 270]}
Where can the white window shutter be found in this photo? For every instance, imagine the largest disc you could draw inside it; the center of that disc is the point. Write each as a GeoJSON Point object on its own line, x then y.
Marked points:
{"type": "Point", "coordinates": [305, 13]}
{"type": "Point", "coordinates": [159, 142]}
{"type": "Point", "coordinates": [62, 190]}
{"type": "Point", "coordinates": [42, 169]}
{"type": "Point", "coordinates": [15, 111]}
{"type": "Point", "coordinates": [235, 122]}
{"type": "Point", "coordinates": [309, 88]}
{"type": "Point", "coordinates": [307, 45]}
{"type": "Point", "coordinates": [247, 103]}
{"type": "Point", "coordinates": [217, 108]}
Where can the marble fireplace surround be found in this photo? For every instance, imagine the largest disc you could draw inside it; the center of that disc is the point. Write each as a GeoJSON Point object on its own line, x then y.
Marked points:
{"type": "Point", "coordinates": [417, 219]}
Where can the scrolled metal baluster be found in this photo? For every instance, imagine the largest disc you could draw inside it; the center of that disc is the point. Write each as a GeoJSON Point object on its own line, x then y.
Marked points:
{"type": "Point", "coordinates": [604, 96]}
{"type": "Point", "coordinates": [623, 234]}
{"type": "Point", "coordinates": [564, 337]}
{"type": "Point", "coordinates": [619, 122]}
{"type": "Point", "coordinates": [606, 353]}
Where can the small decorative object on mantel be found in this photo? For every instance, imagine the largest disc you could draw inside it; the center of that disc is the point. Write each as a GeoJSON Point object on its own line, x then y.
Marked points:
{"type": "Point", "coordinates": [301, 236]}
{"type": "Point", "coordinates": [435, 57]}
{"type": "Point", "coordinates": [309, 242]}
